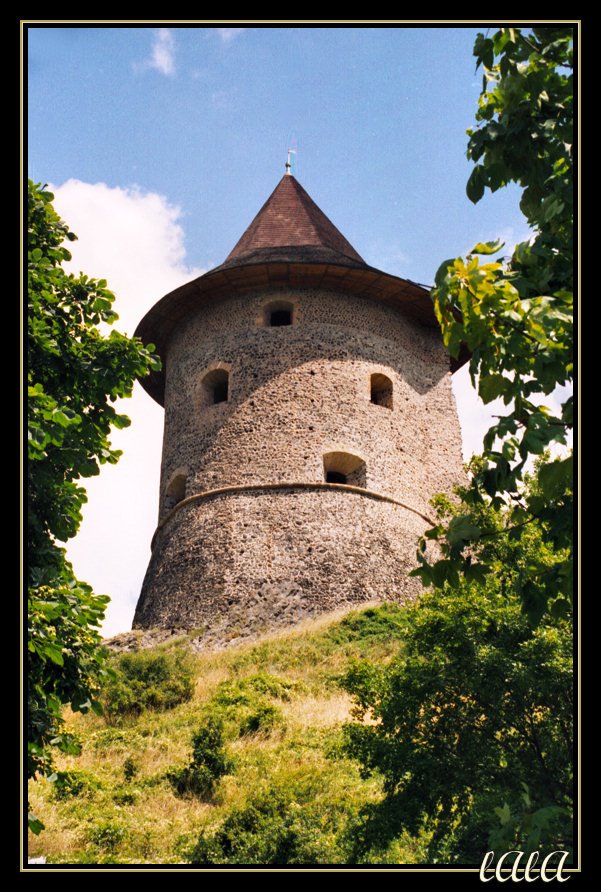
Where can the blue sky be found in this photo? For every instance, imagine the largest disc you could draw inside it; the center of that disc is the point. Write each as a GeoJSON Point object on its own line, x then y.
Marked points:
{"type": "Point", "coordinates": [161, 144]}
{"type": "Point", "coordinates": [378, 114]}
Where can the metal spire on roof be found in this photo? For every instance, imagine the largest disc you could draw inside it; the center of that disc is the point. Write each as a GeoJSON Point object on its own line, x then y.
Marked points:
{"type": "Point", "coordinates": [288, 164]}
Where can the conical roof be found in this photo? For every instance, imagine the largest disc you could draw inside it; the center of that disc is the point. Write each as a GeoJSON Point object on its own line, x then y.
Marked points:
{"type": "Point", "coordinates": [291, 219]}
{"type": "Point", "coordinates": [289, 244]}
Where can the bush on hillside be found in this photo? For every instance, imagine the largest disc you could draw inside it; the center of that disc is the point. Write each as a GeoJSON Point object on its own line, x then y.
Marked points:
{"type": "Point", "coordinates": [147, 680]}
{"type": "Point", "coordinates": [244, 704]}
{"type": "Point", "coordinates": [74, 783]}
{"type": "Point", "coordinates": [276, 828]}
{"type": "Point", "coordinates": [470, 726]}
{"type": "Point", "coordinates": [381, 623]}
{"type": "Point", "coordinates": [209, 762]}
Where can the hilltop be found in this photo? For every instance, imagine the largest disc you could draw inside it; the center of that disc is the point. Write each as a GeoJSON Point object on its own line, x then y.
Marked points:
{"type": "Point", "coordinates": [272, 711]}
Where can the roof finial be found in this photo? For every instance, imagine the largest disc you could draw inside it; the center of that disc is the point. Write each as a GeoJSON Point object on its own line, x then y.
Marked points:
{"type": "Point", "coordinates": [288, 164]}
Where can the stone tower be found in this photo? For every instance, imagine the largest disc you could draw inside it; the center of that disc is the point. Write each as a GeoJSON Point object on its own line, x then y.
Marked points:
{"type": "Point", "coordinates": [309, 418]}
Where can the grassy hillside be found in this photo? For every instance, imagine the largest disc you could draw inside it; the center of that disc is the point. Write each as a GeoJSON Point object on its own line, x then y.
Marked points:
{"type": "Point", "coordinates": [288, 797]}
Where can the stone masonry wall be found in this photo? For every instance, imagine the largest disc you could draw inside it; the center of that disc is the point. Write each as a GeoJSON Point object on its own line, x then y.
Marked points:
{"type": "Point", "coordinates": [295, 394]}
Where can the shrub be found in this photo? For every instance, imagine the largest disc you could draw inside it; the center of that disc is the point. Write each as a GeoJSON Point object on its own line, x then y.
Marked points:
{"type": "Point", "coordinates": [471, 726]}
{"type": "Point", "coordinates": [275, 829]}
{"type": "Point", "coordinates": [243, 691]}
{"type": "Point", "coordinates": [116, 739]}
{"type": "Point", "coordinates": [74, 783]}
{"type": "Point", "coordinates": [209, 763]}
{"type": "Point", "coordinates": [107, 835]}
{"type": "Point", "coordinates": [243, 703]}
{"type": "Point", "coordinates": [125, 796]}
{"type": "Point", "coordinates": [261, 720]}
{"type": "Point", "coordinates": [130, 768]}
{"type": "Point", "coordinates": [382, 623]}
{"type": "Point", "coordinates": [147, 680]}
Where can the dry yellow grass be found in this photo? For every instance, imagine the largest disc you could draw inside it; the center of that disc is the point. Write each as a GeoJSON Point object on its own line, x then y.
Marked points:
{"type": "Point", "coordinates": [318, 711]}
{"type": "Point", "coordinates": [159, 827]}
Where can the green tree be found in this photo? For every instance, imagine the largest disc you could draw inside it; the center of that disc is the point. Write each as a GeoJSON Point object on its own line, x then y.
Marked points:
{"type": "Point", "coordinates": [471, 724]}
{"type": "Point", "coordinates": [514, 315]}
{"type": "Point", "coordinates": [74, 374]}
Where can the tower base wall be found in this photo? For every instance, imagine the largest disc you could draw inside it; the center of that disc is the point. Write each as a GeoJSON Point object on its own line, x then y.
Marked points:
{"type": "Point", "coordinates": [258, 559]}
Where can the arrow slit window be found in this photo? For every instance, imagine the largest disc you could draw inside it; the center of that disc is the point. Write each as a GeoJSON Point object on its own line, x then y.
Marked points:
{"type": "Point", "coordinates": [381, 391]}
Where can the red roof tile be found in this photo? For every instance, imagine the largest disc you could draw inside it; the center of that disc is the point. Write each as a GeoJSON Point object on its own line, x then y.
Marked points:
{"type": "Point", "coordinates": [290, 217]}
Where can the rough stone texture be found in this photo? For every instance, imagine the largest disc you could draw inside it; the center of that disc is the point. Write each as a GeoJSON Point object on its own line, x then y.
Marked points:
{"type": "Point", "coordinates": [223, 634]}
{"type": "Point", "coordinates": [296, 393]}
{"type": "Point", "coordinates": [141, 639]}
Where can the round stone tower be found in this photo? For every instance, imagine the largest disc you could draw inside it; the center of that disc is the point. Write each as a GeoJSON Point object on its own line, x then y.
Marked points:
{"type": "Point", "coordinates": [309, 418]}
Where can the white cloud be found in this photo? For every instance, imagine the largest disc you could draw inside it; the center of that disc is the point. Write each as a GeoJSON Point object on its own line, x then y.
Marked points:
{"type": "Point", "coordinates": [476, 418]}
{"type": "Point", "coordinates": [133, 239]}
{"type": "Point", "coordinates": [162, 54]}
{"type": "Point", "coordinates": [229, 34]}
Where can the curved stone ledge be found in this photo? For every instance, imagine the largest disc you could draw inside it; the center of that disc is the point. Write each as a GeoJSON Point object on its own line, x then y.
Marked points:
{"type": "Point", "coordinates": [260, 555]}
{"type": "Point", "coordinates": [258, 487]}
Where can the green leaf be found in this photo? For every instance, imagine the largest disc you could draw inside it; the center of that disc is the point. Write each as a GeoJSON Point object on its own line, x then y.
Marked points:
{"type": "Point", "coordinates": [35, 825]}
{"type": "Point", "coordinates": [487, 247]}
{"type": "Point", "coordinates": [475, 184]}
{"type": "Point", "coordinates": [453, 338]}
{"type": "Point", "coordinates": [442, 271]}
{"type": "Point", "coordinates": [462, 529]}
{"type": "Point", "coordinates": [504, 814]}
{"type": "Point", "coordinates": [54, 653]}
{"type": "Point", "coordinates": [422, 573]}
{"type": "Point", "coordinates": [492, 386]}
{"type": "Point", "coordinates": [476, 573]}
{"type": "Point", "coordinates": [484, 51]}
{"type": "Point", "coordinates": [556, 476]}
{"type": "Point", "coordinates": [444, 571]}
{"type": "Point", "coordinates": [567, 412]}
{"type": "Point", "coordinates": [560, 608]}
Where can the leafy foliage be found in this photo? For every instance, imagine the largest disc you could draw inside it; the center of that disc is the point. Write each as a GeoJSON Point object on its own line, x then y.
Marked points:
{"type": "Point", "coordinates": [209, 762]}
{"type": "Point", "coordinates": [472, 722]}
{"type": "Point", "coordinates": [244, 705]}
{"type": "Point", "coordinates": [382, 623]}
{"type": "Point", "coordinates": [147, 680]}
{"type": "Point", "coordinates": [74, 375]}
{"type": "Point", "coordinates": [276, 828]}
{"type": "Point", "coordinates": [66, 665]}
{"type": "Point", "coordinates": [242, 690]}
{"type": "Point", "coordinates": [107, 835]}
{"type": "Point", "coordinates": [130, 768]}
{"type": "Point", "coordinates": [514, 315]}
{"type": "Point", "coordinates": [263, 719]}
{"type": "Point", "coordinates": [74, 783]}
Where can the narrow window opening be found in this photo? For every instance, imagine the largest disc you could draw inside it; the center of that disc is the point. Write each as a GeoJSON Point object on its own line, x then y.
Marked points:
{"type": "Point", "coordinates": [280, 317]}
{"type": "Point", "coordinates": [220, 392]}
{"type": "Point", "coordinates": [215, 387]}
{"type": "Point", "coordinates": [343, 467]}
{"type": "Point", "coordinates": [278, 313]}
{"type": "Point", "coordinates": [381, 391]}
{"type": "Point", "coordinates": [175, 492]}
